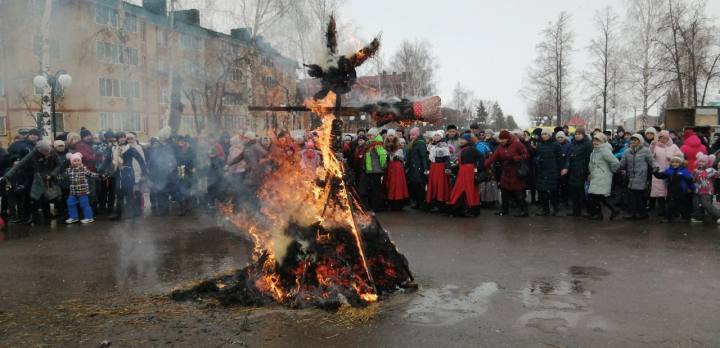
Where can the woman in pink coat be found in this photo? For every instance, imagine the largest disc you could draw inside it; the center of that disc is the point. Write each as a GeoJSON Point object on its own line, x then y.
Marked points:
{"type": "Point", "coordinates": [692, 147]}
{"type": "Point", "coordinates": [663, 149]}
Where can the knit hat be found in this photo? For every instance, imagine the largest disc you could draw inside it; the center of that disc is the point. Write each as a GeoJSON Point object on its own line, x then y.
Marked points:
{"type": "Point", "coordinates": [43, 146]}
{"type": "Point", "coordinates": [601, 137]}
{"type": "Point", "coordinates": [250, 135]}
{"type": "Point", "coordinates": [391, 132]}
{"type": "Point", "coordinates": [72, 156]}
{"type": "Point", "coordinates": [678, 157]}
{"type": "Point", "coordinates": [504, 134]}
{"type": "Point", "coordinates": [580, 130]}
{"type": "Point", "coordinates": [58, 143]}
{"type": "Point", "coordinates": [537, 131]}
{"type": "Point", "coordinates": [637, 136]}
{"type": "Point", "coordinates": [546, 131]}
{"type": "Point", "coordinates": [34, 131]}
{"type": "Point", "coordinates": [488, 131]}
{"type": "Point", "coordinates": [83, 133]}
{"type": "Point", "coordinates": [620, 129]}
{"type": "Point", "coordinates": [467, 137]}
{"type": "Point", "coordinates": [235, 140]}
{"type": "Point", "coordinates": [362, 137]}
{"type": "Point", "coordinates": [557, 129]}
{"type": "Point", "coordinates": [415, 131]}
{"type": "Point", "coordinates": [402, 140]}
{"type": "Point", "coordinates": [701, 157]}
{"type": "Point", "coordinates": [164, 133]}
{"type": "Point", "coordinates": [664, 134]}
{"type": "Point", "coordinates": [98, 136]}
{"type": "Point", "coordinates": [452, 126]}
{"type": "Point", "coordinates": [72, 135]}
{"type": "Point", "coordinates": [373, 132]}
{"type": "Point", "coordinates": [560, 134]}
{"type": "Point", "coordinates": [688, 133]}
{"type": "Point", "coordinates": [651, 130]}
{"type": "Point", "coordinates": [439, 132]}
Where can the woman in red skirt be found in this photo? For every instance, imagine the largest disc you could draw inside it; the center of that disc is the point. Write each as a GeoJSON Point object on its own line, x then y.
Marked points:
{"type": "Point", "coordinates": [465, 197]}
{"type": "Point", "coordinates": [438, 188]}
{"type": "Point", "coordinates": [394, 186]}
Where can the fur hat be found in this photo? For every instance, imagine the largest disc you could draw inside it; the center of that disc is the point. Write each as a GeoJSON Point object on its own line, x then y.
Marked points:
{"type": "Point", "coordinates": [391, 132]}
{"type": "Point", "coordinates": [58, 143]}
{"type": "Point", "coordinates": [164, 133]}
{"type": "Point", "coordinates": [547, 131]}
{"type": "Point", "coordinates": [601, 137]}
{"type": "Point", "coordinates": [677, 157]}
{"type": "Point", "coordinates": [373, 132]}
{"type": "Point", "coordinates": [651, 130]}
{"type": "Point", "coordinates": [560, 134]}
{"type": "Point", "coordinates": [504, 134]}
{"type": "Point", "coordinates": [43, 146]}
{"type": "Point", "coordinates": [72, 156]}
{"type": "Point", "coordinates": [250, 135]}
{"type": "Point", "coordinates": [415, 131]}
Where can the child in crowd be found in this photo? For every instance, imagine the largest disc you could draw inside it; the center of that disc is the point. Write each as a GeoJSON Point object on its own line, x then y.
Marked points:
{"type": "Point", "coordinates": [77, 173]}
{"type": "Point", "coordinates": [678, 180]}
{"type": "Point", "coordinates": [704, 178]}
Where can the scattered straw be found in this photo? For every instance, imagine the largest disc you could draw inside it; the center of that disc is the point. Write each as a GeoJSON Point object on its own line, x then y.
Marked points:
{"type": "Point", "coordinates": [349, 316]}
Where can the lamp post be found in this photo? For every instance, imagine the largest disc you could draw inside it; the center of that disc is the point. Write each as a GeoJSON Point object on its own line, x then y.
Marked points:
{"type": "Point", "coordinates": [61, 77]}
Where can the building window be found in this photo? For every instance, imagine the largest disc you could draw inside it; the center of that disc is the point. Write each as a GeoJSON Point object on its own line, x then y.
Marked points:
{"type": "Point", "coordinates": [54, 47]}
{"type": "Point", "coordinates": [189, 123]}
{"type": "Point", "coordinates": [192, 68]}
{"type": "Point", "coordinates": [121, 121]}
{"type": "Point", "coordinates": [164, 96]}
{"type": "Point", "coordinates": [229, 48]}
{"type": "Point", "coordinates": [162, 66]}
{"type": "Point", "coordinates": [161, 37]}
{"type": "Point", "coordinates": [191, 41]}
{"type": "Point", "coordinates": [109, 52]}
{"type": "Point", "coordinates": [266, 61]}
{"type": "Point", "coordinates": [59, 121]}
{"type": "Point", "coordinates": [193, 96]}
{"type": "Point", "coordinates": [236, 75]}
{"type": "Point", "coordinates": [109, 17]}
{"type": "Point", "coordinates": [232, 99]}
{"type": "Point", "coordinates": [233, 123]}
{"type": "Point", "coordinates": [131, 23]}
{"type": "Point", "coordinates": [59, 91]}
{"type": "Point", "coordinates": [119, 88]}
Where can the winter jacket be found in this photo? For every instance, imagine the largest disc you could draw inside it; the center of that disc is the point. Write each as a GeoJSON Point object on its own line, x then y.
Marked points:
{"type": "Point", "coordinates": [41, 167]}
{"type": "Point", "coordinates": [136, 165]}
{"type": "Point", "coordinates": [77, 178]}
{"type": "Point", "coordinates": [440, 153]}
{"type": "Point", "coordinates": [692, 147]}
{"type": "Point", "coordinates": [602, 165]}
{"type": "Point", "coordinates": [253, 154]}
{"type": "Point", "coordinates": [637, 162]}
{"type": "Point", "coordinates": [21, 148]}
{"type": "Point", "coordinates": [455, 142]}
{"type": "Point", "coordinates": [662, 154]}
{"type": "Point", "coordinates": [89, 159]}
{"type": "Point", "coordinates": [577, 161]}
{"type": "Point", "coordinates": [704, 181]}
{"type": "Point", "coordinates": [240, 166]}
{"type": "Point", "coordinates": [417, 161]}
{"type": "Point", "coordinates": [510, 154]}
{"type": "Point", "coordinates": [565, 147]}
{"type": "Point", "coordinates": [550, 163]}
{"type": "Point", "coordinates": [678, 180]}
{"type": "Point", "coordinates": [375, 156]}
{"type": "Point", "coordinates": [63, 180]}
{"type": "Point", "coordinates": [163, 167]}
{"type": "Point", "coordinates": [125, 174]}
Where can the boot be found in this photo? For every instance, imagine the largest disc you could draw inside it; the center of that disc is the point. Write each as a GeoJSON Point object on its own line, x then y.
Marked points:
{"type": "Point", "coordinates": [556, 209]}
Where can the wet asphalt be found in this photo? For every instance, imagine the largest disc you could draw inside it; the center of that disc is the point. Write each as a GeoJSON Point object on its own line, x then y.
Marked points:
{"type": "Point", "coordinates": [489, 281]}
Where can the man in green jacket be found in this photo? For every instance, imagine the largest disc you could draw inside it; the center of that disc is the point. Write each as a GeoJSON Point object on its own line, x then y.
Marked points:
{"type": "Point", "coordinates": [375, 164]}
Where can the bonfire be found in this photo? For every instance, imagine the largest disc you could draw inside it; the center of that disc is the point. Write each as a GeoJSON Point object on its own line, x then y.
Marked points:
{"type": "Point", "coordinates": [315, 244]}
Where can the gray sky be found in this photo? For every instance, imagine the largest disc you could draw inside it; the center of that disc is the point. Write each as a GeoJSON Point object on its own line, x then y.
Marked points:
{"type": "Point", "coordinates": [485, 45]}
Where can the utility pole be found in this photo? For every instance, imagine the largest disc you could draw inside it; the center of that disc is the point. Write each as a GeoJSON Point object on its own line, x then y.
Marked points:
{"type": "Point", "coordinates": [45, 122]}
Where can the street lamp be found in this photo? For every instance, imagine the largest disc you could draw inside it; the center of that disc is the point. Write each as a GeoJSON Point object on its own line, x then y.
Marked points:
{"type": "Point", "coordinates": [61, 77]}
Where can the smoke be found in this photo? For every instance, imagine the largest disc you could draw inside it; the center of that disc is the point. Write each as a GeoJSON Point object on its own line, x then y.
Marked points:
{"type": "Point", "coordinates": [137, 264]}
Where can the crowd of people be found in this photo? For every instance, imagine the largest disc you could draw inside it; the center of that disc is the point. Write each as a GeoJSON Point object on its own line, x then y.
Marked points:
{"type": "Point", "coordinates": [82, 175]}
{"type": "Point", "coordinates": [639, 172]}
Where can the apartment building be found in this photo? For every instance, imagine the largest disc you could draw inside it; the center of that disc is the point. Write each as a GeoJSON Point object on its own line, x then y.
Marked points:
{"type": "Point", "coordinates": [125, 84]}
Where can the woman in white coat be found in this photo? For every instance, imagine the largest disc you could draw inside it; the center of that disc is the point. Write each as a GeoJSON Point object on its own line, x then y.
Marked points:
{"type": "Point", "coordinates": [662, 149]}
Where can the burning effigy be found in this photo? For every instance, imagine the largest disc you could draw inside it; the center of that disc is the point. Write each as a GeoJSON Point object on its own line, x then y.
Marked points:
{"type": "Point", "coordinates": [315, 245]}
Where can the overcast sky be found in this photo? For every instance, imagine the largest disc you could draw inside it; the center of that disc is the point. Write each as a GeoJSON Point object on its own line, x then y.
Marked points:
{"type": "Point", "coordinates": [485, 45]}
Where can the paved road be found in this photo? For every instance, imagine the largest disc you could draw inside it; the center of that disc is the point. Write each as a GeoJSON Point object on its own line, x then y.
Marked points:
{"type": "Point", "coordinates": [490, 281]}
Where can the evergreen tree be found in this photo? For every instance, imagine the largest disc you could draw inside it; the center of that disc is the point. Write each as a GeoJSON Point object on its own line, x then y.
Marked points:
{"type": "Point", "coordinates": [498, 117]}
{"type": "Point", "coordinates": [482, 115]}
{"type": "Point", "coordinates": [510, 123]}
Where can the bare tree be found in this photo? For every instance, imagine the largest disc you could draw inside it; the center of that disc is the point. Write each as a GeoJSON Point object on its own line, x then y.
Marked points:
{"type": "Point", "coordinates": [605, 58]}
{"type": "Point", "coordinates": [644, 54]}
{"type": "Point", "coordinates": [549, 76]}
{"type": "Point", "coordinates": [464, 101]}
{"type": "Point", "coordinates": [420, 65]}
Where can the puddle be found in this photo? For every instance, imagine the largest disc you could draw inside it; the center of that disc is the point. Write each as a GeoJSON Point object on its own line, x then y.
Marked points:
{"type": "Point", "coordinates": [449, 305]}
{"type": "Point", "coordinates": [594, 273]}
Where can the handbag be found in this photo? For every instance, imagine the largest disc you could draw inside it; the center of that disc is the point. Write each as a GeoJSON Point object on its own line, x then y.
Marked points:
{"type": "Point", "coordinates": [52, 191]}
{"type": "Point", "coordinates": [489, 192]}
{"type": "Point", "coordinates": [523, 170]}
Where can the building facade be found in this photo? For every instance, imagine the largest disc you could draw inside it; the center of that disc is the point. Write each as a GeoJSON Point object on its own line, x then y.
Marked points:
{"type": "Point", "coordinates": [123, 83]}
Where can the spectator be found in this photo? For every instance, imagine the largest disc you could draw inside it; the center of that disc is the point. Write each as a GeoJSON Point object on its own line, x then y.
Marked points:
{"type": "Point", "coordinates": [375, 164]}
{"type": "Point", "coordinates": [602, 165]}
{"type": "Point", "coordinates": [663, 150]}
{"type": "Point", "coordinates": [511, 152]}
{"type": "Point", "coordinates": [465, 197]}
{"type": "Point", "coordinates": [550, 163]}
{"type": "Point", "coordinates": [417, 167]}
{"type": "Point", "coordinates": [395, 190]}
{"type": "Point", "coordinates": [438, 187]}
{"type": "Point", "coordinates": [576, 169]}
{"type": "Point", "coordinates": [634, 164]}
